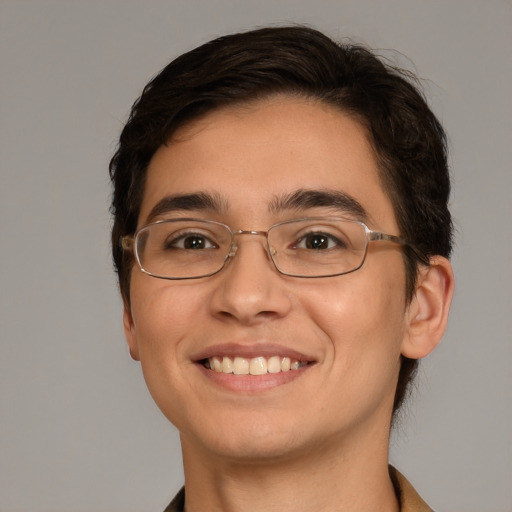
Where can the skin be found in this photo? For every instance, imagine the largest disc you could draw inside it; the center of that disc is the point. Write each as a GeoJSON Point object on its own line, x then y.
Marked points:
{"type": "Point", "coordinates": [324, 434]}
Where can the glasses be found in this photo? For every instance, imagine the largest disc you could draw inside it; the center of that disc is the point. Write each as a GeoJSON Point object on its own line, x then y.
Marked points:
{"type": "Point", "coordinates": [309, 247]}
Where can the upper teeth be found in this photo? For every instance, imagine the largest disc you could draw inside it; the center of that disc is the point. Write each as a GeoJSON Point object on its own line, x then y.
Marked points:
{"type": "Point", "coordinates": [255, 366]}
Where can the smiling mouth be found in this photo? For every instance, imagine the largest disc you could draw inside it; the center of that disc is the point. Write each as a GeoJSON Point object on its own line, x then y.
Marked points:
{"type": "Point", "coordinates": [252, 366]}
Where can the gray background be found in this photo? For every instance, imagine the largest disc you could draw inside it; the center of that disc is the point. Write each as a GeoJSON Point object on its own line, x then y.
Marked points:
{"type": "Point", "coordinates": [79, 431]}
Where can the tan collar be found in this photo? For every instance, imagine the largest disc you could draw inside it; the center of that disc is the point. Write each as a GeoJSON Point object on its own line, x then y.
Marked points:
{"type": "Point", "coordinates": [410, 500]}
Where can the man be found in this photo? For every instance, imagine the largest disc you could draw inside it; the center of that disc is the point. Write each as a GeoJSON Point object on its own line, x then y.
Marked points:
{"type": "Point", "coordinates": [281, 235]}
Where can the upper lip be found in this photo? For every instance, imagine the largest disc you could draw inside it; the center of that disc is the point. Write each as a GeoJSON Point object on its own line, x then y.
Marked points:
{"type": "Point", "coordinates": [250, 350]}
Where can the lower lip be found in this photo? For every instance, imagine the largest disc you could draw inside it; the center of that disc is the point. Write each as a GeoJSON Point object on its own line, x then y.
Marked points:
{"type": "Point", "coordinates": [252, 383]}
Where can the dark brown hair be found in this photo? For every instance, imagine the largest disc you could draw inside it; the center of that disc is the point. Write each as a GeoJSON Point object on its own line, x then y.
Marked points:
{"type": "Point", "coordinates": [408, 140]}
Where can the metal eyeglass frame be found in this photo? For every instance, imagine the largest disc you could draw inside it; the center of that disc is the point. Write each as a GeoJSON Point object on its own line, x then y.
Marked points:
{"type": "Point", "coordinates": [128, 243]}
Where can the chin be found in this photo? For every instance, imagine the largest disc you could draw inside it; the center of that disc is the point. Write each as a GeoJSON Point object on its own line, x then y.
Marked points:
{"type": "Point", "coordinates": [256, 441]}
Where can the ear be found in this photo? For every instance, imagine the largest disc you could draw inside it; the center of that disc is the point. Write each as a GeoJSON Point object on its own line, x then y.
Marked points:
{"type": "Point", "coordinates": [129, 332]}
{"type": "Point", "coordinates": [427, 314]}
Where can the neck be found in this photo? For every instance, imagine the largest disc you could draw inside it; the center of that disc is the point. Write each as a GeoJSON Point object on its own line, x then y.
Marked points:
{"type": "Point", "coordinates": [326, 478]}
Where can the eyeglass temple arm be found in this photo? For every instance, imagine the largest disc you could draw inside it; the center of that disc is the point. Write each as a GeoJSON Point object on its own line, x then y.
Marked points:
{"type": "Point", "coordinates": [376, 235]}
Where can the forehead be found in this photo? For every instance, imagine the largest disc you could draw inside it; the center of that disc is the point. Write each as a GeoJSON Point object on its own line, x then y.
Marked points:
{"type": "Point", "coordinates": [251, 156]}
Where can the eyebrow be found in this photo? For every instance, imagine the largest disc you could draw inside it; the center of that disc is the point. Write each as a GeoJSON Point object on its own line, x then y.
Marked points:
{"type": "Point", "coordinates": [198, 201]}
{"type": "Point", "coordinates": [303, 199]}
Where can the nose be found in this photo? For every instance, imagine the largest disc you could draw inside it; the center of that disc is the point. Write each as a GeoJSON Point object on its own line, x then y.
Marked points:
{"type": "Point", "coordinates": [250, 289]}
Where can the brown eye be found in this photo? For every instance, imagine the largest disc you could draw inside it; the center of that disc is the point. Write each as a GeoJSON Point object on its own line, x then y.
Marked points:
{"type": "Point", "coordinates": [192, 242]}
{"type": "Point", "coordinates": [318, 242]}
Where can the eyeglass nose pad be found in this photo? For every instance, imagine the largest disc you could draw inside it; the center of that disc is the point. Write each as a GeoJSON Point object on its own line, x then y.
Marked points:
{"type": "Point", "coordinates": [232, 251]}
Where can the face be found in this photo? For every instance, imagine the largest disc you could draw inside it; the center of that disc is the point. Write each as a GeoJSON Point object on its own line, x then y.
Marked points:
{"type": "Point", "coordinates": [347, 331]}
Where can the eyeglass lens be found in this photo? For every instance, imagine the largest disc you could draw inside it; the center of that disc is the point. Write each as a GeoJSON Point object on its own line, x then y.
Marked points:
{"type": "Point", "coordinates": [185, 249]}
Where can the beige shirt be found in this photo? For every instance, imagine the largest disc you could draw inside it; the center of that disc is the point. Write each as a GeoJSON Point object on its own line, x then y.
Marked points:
{"type": "Point", "coordinates": [409, 499]}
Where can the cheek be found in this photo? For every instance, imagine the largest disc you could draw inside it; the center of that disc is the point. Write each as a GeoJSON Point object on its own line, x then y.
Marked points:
{"type": "Point", "coordinates": [362, 318]}
{"type": "Point", "coordinates": [362, 328]}
{"type": "Point", "coordinates": [162, 313]}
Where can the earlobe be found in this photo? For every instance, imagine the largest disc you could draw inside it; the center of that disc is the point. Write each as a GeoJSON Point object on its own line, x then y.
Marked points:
{"type": "Point", "coordinates": [129, 332]}
{"type": "Point", "coordinates": [427, 314]}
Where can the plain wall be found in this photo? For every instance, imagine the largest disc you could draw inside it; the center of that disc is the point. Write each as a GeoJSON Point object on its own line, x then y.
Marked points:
{"type": "Point", "coordinates": [79, 431]}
